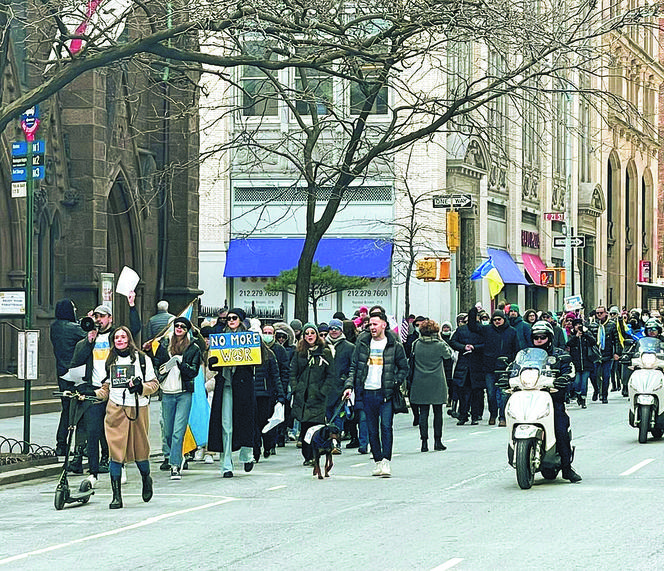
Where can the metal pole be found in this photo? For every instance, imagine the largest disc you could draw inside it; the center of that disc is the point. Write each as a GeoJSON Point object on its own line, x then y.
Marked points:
{"type": "Point", "coordinates": [453, 285]}
{"type": "Point", "coordinates": [29, 213]}
{"type": "Point", "coordinates": [568, 201]}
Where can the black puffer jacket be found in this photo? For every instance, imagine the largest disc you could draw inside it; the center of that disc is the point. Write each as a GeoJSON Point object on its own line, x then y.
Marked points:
{"type": "Point", "coordinates": [470, 364]}
{"type": "Point", "coordinates": [312, 378]}
{"type": "Point", "coordinates": [579, 348]}
{"type": "Point", "coordinates": [395, 365]}
{"type": "Point", "coordinates": [612, 345]}
{"type": "Point", "coordinates": [267, 382]}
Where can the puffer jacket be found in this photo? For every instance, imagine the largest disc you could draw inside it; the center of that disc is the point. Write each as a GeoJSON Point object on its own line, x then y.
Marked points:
{"type": "Point", "coordinates": [579, 348]}
{"type": "Point", "coordinates": [612, 345]}
{"type": "Point", "coordinates": [498, 341]}
{"type": "Point", "coordinates": [312, 378]}
{"type": "Point", "coordinates": [65, 334]}
{"type": "Point", "coordinates": [267, 381]}
{"type": "Point", "coordinates": [395, 365]}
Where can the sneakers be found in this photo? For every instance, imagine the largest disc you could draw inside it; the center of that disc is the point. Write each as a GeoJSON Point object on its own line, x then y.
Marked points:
{"type": "Point", "coordinates": [198, 455]}
{"type": "Point", "coordinates": [208, 459]}
{"type": "Point", "coordinates": [175, 473]}
{"type": "Point", "coordinates": [165, 465]}
{"type": "Point", "coordinates": [123, 477]}
{"type": "Point", "coordinates": [502, 423]}
{"type": "Point", "coordinates": [387, 470]}
{"type": "Point", "coordinates": [377, 469]}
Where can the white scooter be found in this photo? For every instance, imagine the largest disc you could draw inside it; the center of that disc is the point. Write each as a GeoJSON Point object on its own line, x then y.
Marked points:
{"type": "Point", "coordinates": [530, 416]}
{"type": "Point", "coordinates": [646, 388]}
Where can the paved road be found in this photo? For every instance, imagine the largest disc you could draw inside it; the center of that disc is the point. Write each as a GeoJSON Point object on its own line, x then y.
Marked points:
{"type": "Point", "coordinates": [459, 509]}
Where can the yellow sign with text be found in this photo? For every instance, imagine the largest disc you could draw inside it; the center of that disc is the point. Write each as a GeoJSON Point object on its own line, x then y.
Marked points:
{"type": "Point", "coordinates": [232, 349]}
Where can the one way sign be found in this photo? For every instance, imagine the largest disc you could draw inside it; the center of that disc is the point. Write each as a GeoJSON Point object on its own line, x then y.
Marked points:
{"type": "Point", "coordinates": [453, 201]}
{"type": "Point", "coordinates": [576, 241]}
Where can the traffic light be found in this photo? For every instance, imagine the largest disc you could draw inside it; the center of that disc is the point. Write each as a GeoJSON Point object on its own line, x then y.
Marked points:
{"type": "Point", "coordinates": [426, 269]}
{"type": "Point", "coordinates": [553, 277]}
{"type": "Point", "coordinates": [453, 240]}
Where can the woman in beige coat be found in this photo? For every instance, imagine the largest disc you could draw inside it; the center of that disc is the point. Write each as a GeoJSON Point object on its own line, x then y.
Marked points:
{"type": "Point", "coordinates": [130, 380]}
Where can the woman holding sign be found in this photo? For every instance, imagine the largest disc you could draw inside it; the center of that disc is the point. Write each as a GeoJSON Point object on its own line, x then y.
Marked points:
{"type": "Point", "coordinates": [233, 411]}
{"type": "Point", "coordinates": [178, 360]}
{"type": "Point", "coordinates": [130, 378]}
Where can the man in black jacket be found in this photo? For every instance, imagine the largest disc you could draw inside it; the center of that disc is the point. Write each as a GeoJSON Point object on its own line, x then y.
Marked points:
{"type": "Point", "coordinates": [499, 341]}
{"type": "Point", "coordinates": [378, 369]}
{"type": "Point", "coordinates": [605, 333]}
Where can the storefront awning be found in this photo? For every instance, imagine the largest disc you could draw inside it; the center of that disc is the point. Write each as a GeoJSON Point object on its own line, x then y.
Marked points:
{"type": "Point", "coordinates": [650, 285]}
{"type": "Point", "coordinates": [507, 267]}
{"type": "Point", "coordinates": [268, 257]}
{"type": "Point", "coordinates": [533, 265]}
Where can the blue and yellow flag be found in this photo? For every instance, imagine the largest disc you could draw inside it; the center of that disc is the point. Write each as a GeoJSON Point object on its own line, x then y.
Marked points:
{"type": "Point", "coordinates": [488, 271]}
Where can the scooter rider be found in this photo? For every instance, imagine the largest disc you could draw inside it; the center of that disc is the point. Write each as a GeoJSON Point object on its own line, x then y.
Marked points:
{"type": "Point", "coordinates": [654, 329]}
{"type": "Point", "coordinates": [542, 337]}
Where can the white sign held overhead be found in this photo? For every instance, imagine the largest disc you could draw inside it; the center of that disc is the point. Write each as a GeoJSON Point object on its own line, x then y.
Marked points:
{"type": "Point", "coordinates": [127, 281]}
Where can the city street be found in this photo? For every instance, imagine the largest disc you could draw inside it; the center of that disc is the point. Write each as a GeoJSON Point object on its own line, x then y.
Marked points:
{"type": "Point", "coordinates": [459, 509]}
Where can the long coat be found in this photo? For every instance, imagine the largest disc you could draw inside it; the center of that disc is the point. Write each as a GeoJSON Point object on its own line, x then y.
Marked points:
{"type": "Point", "coordinates": [244, 409]}
{"type": "Point", "coordinates": [470, 364]}
{"type": "Point", "coordinates": [313, 377]}
{"type": "Point", "coordinates": [429, 385]}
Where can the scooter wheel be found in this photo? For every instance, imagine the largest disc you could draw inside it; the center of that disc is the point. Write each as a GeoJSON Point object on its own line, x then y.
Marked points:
{"type": "Point", "coordinates": [549, 473]}
{"type": "Point", "coordinates": [59, 499]}
{"type": "Point", "coordinates": [85, 486]}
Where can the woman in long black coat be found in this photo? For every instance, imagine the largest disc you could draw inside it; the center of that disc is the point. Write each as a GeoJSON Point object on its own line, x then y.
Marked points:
{"type": "Point", "coordinates": [469, 374]}
{"type": "Point", "coordinates": [233, 412]}
{"type": "Point", "coordinates": [313, 377]}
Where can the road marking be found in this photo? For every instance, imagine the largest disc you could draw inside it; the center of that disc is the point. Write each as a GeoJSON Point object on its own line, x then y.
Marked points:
{"type": "Point", "coordinates": [465, 481]}
{"type": "Point", "coordinates": [637, 467]}
{"type": "Point", "coordinates": [276, 488]}
{"type": "Point", "coordinates": [448, 564]}
{"type": "Point", "coordinates": [479, 432]}
{"type": "Point", "coordinates": [116, 531]}
{"type": "Point", "coordinates": [359, 465]}
{"type": "Point", "coordinates": [451, 440]}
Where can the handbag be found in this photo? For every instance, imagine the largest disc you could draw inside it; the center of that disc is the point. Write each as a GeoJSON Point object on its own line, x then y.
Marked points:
{"type": "Point", "coordinates": [399, 404]}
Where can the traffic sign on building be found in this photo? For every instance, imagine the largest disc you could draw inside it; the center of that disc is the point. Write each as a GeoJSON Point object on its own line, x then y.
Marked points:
{"type": "Point", "coordinates": [576, 241]}
{"type": "Point", "coordinates": [453, 201]}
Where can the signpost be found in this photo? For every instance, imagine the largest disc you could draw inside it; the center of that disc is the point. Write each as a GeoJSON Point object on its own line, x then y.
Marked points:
{"type": "Point", "coordinates": [453, 201]}
{"type": "Point", "coordinates": [29, 124]}
{"type": "Point", "coordinates": [575, 241]}
{"type": "Point", "coordinates": [555, 216]}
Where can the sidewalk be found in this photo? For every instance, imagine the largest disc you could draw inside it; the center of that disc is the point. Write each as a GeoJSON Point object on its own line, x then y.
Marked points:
{"type": "Point", "coordinates": [43, 428]}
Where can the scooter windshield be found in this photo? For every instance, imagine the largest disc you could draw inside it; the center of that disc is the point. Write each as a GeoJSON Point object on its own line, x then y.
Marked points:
{"type": "Point", "coordinates": [649, 345]}
{"type": "Point", "coordinates": [530, 358]}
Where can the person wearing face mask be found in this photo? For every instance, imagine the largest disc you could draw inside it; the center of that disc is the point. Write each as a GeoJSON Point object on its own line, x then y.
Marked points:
{"type": "Point", "coordinates": [448, 364]}
{"type": "Point", "coordinates": [269, 391]}
{"type": "Point", "coordinates": [283, 362]}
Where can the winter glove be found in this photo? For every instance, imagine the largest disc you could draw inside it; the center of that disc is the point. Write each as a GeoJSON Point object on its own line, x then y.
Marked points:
{"type": "Point", "coordinates": [561, 382]}
{"type": "Point", "coordinates": [136, 386]}
{"type": "Point", "coordinates": [503, 380]}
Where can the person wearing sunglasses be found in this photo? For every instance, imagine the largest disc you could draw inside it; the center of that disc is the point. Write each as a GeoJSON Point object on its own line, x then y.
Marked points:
{"type": "Point", "coordinates": [177, 360]}
{"type": "Point", "coordinates": [542, 338]}
{"type": "Point", "coordinates": [580, 348]}
{"type": "Point", "coordinates": [233, 413]}
{"type": "Point", "coordinates": [500, 340]}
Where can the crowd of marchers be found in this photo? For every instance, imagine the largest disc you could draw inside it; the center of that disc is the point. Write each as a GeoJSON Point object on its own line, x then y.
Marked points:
{"type": "Point", "coordinates": [348, 373]}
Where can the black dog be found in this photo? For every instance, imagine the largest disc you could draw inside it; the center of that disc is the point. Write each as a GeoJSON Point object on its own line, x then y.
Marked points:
{"type": "Point", "coordinates": [322, 442]}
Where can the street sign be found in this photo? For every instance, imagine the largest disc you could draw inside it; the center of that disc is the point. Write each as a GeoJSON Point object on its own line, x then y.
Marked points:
{"type": "Point", "coordinates": [19, 189]}
{"type": "Point", "coordinates": [555, 216]}
{"type": "Point", "coordinates": [37, 161]}
{"type": "Point", "coordinates": [20, 148]}
{"type": "Point", "coordinates": [453, 201]}
{"type": "Point", "coordinates": [576, 241]}
{"type": "Point", "coordinates": [19, 174]}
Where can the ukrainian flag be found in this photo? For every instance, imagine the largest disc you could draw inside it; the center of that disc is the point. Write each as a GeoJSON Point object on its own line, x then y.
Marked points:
{"type": "Point", "coordinates": [487, 270]}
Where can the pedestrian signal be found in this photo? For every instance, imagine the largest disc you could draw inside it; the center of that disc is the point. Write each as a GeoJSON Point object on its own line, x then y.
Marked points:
{"type": "Point", "coordinates": [426, 269]}
{"type": "Point", "coordinates": [553, 277]}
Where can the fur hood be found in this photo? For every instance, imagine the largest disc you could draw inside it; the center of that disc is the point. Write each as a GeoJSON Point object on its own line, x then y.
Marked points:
{"type": "Point", "coordinates": [283, 326]}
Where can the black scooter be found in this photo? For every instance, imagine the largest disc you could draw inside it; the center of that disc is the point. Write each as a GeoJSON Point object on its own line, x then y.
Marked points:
{"type": "Point", "coordinates": [63, 493]}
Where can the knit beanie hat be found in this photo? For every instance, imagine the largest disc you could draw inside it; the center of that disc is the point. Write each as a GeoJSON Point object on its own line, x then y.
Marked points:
{"type": "Point", "coordinates": [336, 323]}
{"type": "Point", "coordinates": [323, 327]}
{"type": "Point", "coordinates": [184, 321]}
{"type": "Point", "coordinates": [515, 307]}
{"type": "Point", "coordinates": [308, 326]}
{"type": "Point", "coordinates": [498, 313]}
{"type": "Point", "coordinates": [296, 324]}
{"type": "Point", "coordinates": [239, 312]}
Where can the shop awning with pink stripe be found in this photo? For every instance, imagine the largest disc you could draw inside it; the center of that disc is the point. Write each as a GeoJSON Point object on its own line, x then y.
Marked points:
{"type": "Point", "coordinates": [533, 265]}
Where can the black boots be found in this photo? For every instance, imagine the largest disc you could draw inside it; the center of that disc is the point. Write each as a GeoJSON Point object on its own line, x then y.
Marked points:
{"type": "Point", "coordinates": [425, 446]}
{"type": "Point", "coordinates": [438, 444]}
{"type": "Point", "coordinates": [147, 487]}
{"type": "Point", "coordinates": [116, 502]}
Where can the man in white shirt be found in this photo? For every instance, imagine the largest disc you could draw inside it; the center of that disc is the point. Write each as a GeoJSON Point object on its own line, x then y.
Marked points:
{"type": "Point", "coordinates": [378, 369]}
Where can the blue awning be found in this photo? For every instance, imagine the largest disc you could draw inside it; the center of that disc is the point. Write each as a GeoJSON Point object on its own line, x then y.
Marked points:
{"type": "Point", "coordinates": [268, 257]}
{"type": "Point", "coordinates": [507, 267]}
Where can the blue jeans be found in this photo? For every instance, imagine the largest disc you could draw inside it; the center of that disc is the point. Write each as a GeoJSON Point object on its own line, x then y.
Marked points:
{"type": "Point", "coordinates": [331, 418]}
{"type": "Point", "coordinates": [379, 424]}
{"type": "Point", "coordinates": [175, 414]}
{"type": "Point", "coordinates": [495, 397]}
{"type": "Point", "coordinates": [581, 383]}
{"type": "Point", "coordinates": [362, 430]}
{"type": "Point", "coordinates": [246, 452]}
{"type": "Point", "coordinates": [604, 371]}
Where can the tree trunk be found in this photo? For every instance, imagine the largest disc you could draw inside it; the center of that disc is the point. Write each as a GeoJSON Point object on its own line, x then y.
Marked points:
{"type": "Point", "coordinates": [303, 281]}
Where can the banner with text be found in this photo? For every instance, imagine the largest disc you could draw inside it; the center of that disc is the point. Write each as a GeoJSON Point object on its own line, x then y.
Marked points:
{"type": "Point", "coordinates": [231, 349]}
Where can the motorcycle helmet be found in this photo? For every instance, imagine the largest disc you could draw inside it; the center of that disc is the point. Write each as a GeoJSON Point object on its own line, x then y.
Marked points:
{"type": "Point", "coordinates": [653, 325]}
{"type": "Point", "coordinates": [542, 328]}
